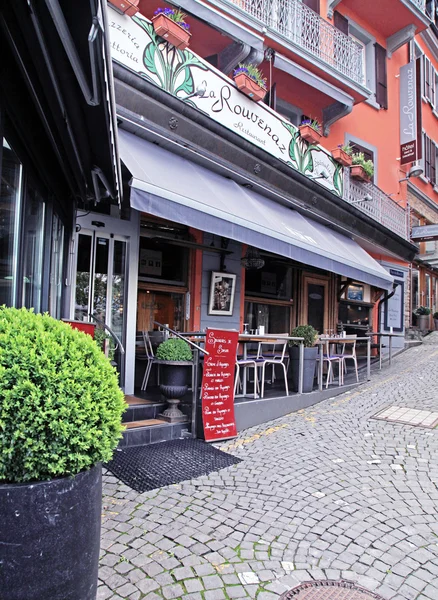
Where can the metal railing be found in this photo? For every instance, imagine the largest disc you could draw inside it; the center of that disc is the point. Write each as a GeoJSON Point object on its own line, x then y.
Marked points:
{"type": "Point", "coordinates": [305, 28]}
{"type": "Point", "coordinates": [420, 4]}
{"type": "Point", "coordinates": [381, 207]}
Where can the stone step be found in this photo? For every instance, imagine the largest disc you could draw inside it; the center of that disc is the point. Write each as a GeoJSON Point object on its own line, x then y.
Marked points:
{"type": "Point", "coordinates": [151, 431]}
{"type": "Point", "coordinates": [140, 409]}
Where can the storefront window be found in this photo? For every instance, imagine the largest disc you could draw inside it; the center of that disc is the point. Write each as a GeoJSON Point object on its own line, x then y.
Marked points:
{"type": "Point", "coordinates": [33, 248]}
{"type": "Point", "coordinates": [56, 267]}
{"type": "Point", "coordinates": [10, 193]}
{"type": "Point", "coordinates": [162, 262]}
{"type": "Point", "coordinates": [415, 289]}
{"type": "Point", "coordinates": [268, 296]}
{"type": "Point", "coordinates": [83, 277]}
{"type": "Point", "coordinates": [118, 287]}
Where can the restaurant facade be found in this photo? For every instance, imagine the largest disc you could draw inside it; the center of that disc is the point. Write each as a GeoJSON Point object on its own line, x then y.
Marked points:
{"type": "Point", "coordinates": [230, 218]}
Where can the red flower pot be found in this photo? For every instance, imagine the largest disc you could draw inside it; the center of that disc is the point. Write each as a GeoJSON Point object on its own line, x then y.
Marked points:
{"type": "Point", "coordinates": [249, 87]}
{"type": "Point", "coordinates": [342, 157]}
{"type": "Point", "coordinates": [128, 7]}
{"type": "Point", "coordinates": [171, 31]}
{"type": "Point", "coordinates": [358, 172]}
{"type": "Point", "coordinates": [310, 134]}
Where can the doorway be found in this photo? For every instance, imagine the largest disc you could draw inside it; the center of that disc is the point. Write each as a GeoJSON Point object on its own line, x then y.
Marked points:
{"type": "Point", "coordinates": [315, 303]}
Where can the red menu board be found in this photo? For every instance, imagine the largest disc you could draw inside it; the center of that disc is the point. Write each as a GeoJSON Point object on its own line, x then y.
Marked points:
{"type": "Point", "coordinates": [218, 384]}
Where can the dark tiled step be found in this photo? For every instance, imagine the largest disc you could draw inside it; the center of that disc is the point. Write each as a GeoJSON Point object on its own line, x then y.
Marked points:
{"type": "Point", "coordinates": [151, 431]}
{"type": "Point", "coordinates": [140, 409]}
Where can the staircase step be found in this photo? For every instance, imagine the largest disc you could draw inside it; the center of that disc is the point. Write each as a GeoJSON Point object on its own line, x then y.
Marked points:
{"type": "Point", "coordinates": [143, 423]}
{"type": "Point", "coordinates": [151, 431]}
{"type": "Point", "coordinates": [140, 409]}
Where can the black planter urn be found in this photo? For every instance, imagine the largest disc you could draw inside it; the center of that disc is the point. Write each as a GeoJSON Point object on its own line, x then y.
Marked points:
{"type": "Point", "coordinates": [310, 356]}
{"type": "Point", "coordinates": [174, 376]}
{"type": "Point", "coordinates": [50, 538]}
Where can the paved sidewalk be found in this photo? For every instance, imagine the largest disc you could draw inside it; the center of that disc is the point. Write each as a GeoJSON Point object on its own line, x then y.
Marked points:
{"type": "Point", "coordinates": [325, 493]}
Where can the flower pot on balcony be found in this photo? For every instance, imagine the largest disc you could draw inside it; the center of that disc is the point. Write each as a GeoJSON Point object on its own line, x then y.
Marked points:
{"type": "Point", "coordinates": [358, 172]}
{"type": "Point", "coordinates": [171, 31]}
{"type": "Point", "coordinates": [342, 157]}
{"type": "Point", "coordinates": [249, 87]}
{"type": "Point", "coordinates": [310, 134]}
{"type": "Point", "coordinates": [127, 7]}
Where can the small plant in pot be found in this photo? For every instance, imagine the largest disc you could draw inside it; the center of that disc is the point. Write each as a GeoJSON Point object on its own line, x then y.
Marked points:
{"type": "Point", "coordinates": [423, 317]}
{"type": "Point", "coordinates": [169, 23]}
{"type": "Point", "coordinates": [310, 130]}
{"type": "Point", "coordinates": [60, 418]}
{"type": "Point", "coordinates": [175, 358]}
{"type": "Point", "coordinates": [249, 79]}
{"type": "Point", "coordinates": [361, 168]}
{"type": "Point", "coordinates": [343, 154]}
{"type": "Point", "coordinates": [310, 336]}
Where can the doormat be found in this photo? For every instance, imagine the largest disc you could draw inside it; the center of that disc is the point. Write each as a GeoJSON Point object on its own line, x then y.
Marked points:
{"type": "Point", "coordinates": [329, 590]}
{"type": "Point", "coordinates": [408, 416]}
{"type": "Point", "coordinates": [145, 468]}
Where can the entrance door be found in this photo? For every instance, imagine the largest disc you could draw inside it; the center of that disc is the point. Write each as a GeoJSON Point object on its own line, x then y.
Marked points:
{"type": "Point", "coordinates": [101, 283]}
{"type": "Point", "coordinates": [315, 303]}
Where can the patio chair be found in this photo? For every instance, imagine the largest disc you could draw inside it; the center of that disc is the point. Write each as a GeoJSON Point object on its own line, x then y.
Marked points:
{"type": "Point", "coordinates": [273, 353]}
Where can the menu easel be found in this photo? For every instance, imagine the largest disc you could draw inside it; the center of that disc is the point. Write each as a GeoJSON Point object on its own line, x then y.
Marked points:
{"type": "Point", "coordinates": [218, 385]}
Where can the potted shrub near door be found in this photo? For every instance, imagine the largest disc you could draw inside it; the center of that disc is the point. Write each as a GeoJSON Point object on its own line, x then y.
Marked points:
{"type": "Point", "coordinates": [175, 359]}
{"type": "Point", "coordinates": [435, 320]}
{"type": "Point", "coordinates": [310, 355]}
{"type": "Point", "coordinates": [423, 318]}
{"type": "Point", "coordinates": [60, 418]}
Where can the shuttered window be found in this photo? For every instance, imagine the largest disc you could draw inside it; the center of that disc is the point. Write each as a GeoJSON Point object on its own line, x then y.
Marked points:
{"type": "Point", "coordinates": [430, 159]}
{"type": "Point", "coordinates": [313, 4]}
{"type": "Point", "coordinates": [340, 22]}
{"type": "Point", "coordinates": [381, 78]}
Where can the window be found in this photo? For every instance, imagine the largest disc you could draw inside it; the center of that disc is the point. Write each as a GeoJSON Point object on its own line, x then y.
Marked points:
{"type": "Point", "coordinates": [381, 77]}
{"type": "Point", "coordinates": [56, 267]}
{"type": "Point", "coordinates": [428, 299]}
{"type": "Point", "coordinates": [10, 201]}
{"type": "Point", "coordinates": [33, 246]}
{"type": "Point", "coordinates": [290, 113]}
{"type": "Point", "coordinates": [429, 247]}
{"type": "Point", "coordinates": [428, 81]}
{"type": "Point", "coordinates": [368, 154]}
{"type": "Point", "coordinates": [430, 158]}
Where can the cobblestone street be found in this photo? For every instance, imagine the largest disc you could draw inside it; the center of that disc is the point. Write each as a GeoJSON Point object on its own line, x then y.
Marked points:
{"type": "Point", "coordinates": [323, 493]}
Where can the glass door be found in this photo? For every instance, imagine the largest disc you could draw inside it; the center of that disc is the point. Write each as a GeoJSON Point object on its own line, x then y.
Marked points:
{"type": "Point", "coordinates": [100, 289]}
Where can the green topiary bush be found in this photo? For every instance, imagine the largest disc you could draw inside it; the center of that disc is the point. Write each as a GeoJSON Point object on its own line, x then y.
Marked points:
{"type": "Point", "coordinates": [174, 349]}
{"type": "Point", "coordinates": [307, 332]}
{"type": "Point", "coordinates": [60, 403]}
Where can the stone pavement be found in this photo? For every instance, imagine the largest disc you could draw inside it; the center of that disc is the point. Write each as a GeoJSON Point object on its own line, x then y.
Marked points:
{"type": "Point", "coordinates": [323, 493]}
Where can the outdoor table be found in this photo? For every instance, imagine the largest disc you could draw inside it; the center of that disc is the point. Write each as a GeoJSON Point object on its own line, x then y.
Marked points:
{"type": "Point", "coordinates": [246, 338]}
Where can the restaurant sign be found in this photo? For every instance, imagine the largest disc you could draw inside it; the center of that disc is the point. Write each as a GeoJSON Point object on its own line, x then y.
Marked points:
{"type": "Point", "coordinates": [410, 113]}
{"type": "Point", "coordinates": [195, 82]}
{"type": "Point", "coordinates": [218, 384]}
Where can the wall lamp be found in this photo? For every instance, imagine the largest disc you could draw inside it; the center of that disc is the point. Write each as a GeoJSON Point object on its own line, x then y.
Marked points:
{"type": "Point", "coordinates": [414, 171]}
{"type": "Point", "coordinates": [323, 175]}
{"type": "Point", "coordinates": [366, 198]}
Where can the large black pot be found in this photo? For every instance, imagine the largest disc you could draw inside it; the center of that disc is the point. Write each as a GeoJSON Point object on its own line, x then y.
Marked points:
{"type": "Point", "coordinates": [174, 377]}
{"type": "Point", "coordinates": [50, 538]}
{"type": "Point", "coordinates": [310, 356]}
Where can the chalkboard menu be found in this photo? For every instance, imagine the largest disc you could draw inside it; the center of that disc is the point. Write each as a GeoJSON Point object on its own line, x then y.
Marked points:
{"type": "Point", "coordinates": [218, 384]}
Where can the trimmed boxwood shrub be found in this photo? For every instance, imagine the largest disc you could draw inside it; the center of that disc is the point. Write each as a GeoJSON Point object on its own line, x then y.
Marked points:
{"type": "Point", "coordinates": [60, 403]}
{"type": "Point", "coordinates": [307, 332]}
{"type": "Point", "coordinates": [174, 349]}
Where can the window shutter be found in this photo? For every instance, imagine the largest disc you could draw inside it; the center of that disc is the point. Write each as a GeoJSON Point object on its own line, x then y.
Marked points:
{"type": "Point", "coordinates": [426, 73]}
{"type": "Point", "coordinates": [432, 163]}
{"type": "Point", "coordinates": [313, 4]}
{"type": "Point", "coordinates": [381, 81]}
{"type": "Point", "coordinates": [427, 157]}
{"type": "Point", "coordinates": [340, 22]}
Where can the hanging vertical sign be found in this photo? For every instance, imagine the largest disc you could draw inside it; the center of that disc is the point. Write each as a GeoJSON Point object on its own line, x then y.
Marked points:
{"type": "Point", "coordinates": [218, 385]}
{"type": "Point", "coordinates": [410, 112]}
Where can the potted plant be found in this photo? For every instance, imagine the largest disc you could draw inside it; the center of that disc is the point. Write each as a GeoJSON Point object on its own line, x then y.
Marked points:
{"type": "Point", "coordinates": [169, 23]}
{"type": "Point", "coordinates": [310, 336]}
{"type": "Point", "coordinates": [361, 169]}
{"type": "Point", "coordinates": [435, 320]}
{"type": "Point", "coordinates": [174, 357]}
{"type": "Point", "coordinates": [249, 79]}
{"type": "Point", "coordinates": [343, 154]}
{"type": "Point", "coordinates": [310, 130]}
{"type": "Point", "coordinates": [60, 418]}
{"type": "Point", "coordinates": [127, 7]}
{"type": "Point", "coordinates": [423, 315]}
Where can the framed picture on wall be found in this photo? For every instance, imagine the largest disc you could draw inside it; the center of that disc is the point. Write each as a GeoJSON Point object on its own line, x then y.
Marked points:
{"type": "Point", "coordinates": [355, 292]}
{"type": "Point", "coordinates": [222, 289]}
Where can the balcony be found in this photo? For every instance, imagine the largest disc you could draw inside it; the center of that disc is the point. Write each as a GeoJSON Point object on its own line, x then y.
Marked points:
{"type": "Point", "coordinates": [381, 207]}
{"type": "Point", "coordinates": [303, 28]}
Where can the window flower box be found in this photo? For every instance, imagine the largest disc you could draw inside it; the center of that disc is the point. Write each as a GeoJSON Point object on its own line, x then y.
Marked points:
{"type": "Point", "coordinates": [248, 86]}
{"type": "Point", "coordinates": [310, 134]}
{"type": "Point", "coordinates": [342, 157]}
{"type": "Point", "coordinates": [127, 7]}
{"type": "Point", "coordinates": [358, 172]}
{"type": "Point", "coordinates": [171, 31]}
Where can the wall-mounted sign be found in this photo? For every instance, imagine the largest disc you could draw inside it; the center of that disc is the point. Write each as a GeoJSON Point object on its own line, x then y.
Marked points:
{"type": "Point", "coordinates": [424, 233]}
{"type": "Point", "coordinates": [151, 262]}
{"type": "Point", "coordinates": [218, 384]}
{"type": "Point", "coordinates": [394, 309]}
{"type": "Point", "coordinates": [195, 82]}
{"type": "Point", "coordinates": [410, 113]}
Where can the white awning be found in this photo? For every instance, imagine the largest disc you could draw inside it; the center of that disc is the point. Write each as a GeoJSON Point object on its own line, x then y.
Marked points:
{"type": "Point", "coordinates": [169, 186]}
